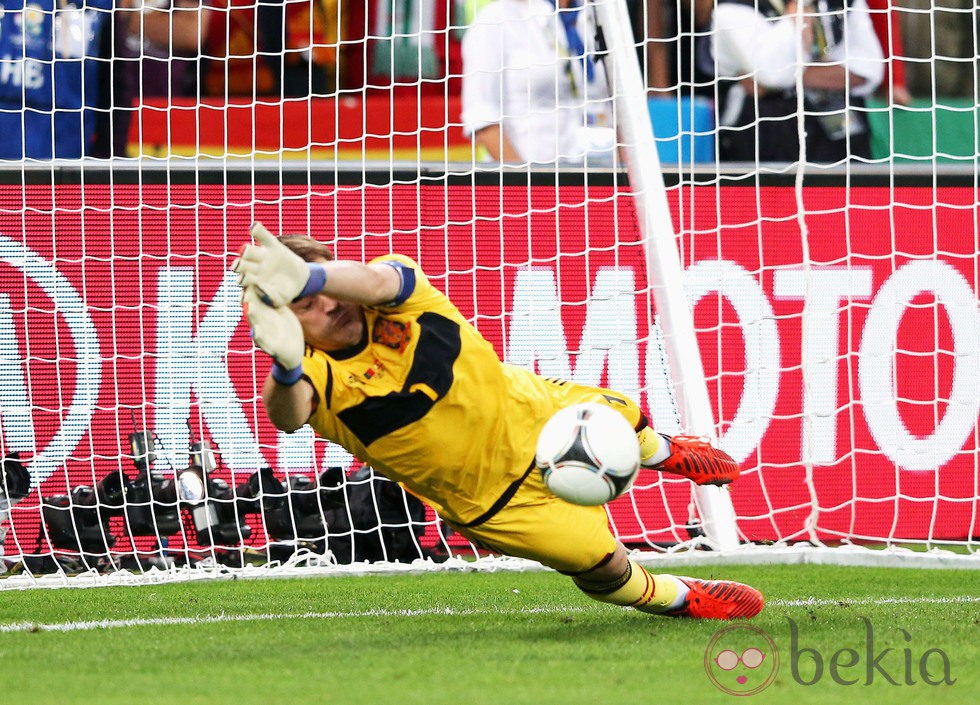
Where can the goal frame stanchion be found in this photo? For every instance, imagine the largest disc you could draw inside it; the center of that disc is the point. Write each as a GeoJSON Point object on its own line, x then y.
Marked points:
{"type": "Point", "coordinates": [665, 274]}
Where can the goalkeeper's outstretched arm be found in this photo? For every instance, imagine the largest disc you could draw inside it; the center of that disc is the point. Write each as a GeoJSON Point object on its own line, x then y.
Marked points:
{"type": "Point", "coordinates": [289, 407]}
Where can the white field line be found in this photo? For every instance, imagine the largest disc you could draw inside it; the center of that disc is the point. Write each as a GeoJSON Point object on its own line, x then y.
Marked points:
{"type": "Point", "coordinates": [448, 611]}
{"type": "Point", "coordinates": [813, 602]}
{"type": "Point", "coordinates": [214, 619]}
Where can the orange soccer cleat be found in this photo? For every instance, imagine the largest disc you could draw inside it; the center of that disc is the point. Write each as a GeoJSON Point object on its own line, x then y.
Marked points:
{"type": "Point", "coordinates": [697, 460]}
{"type": "Point", "coordinates": [718, 599]}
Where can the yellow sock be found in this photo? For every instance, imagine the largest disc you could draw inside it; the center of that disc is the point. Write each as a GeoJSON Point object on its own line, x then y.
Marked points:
{"type": "Point", "coordinates": [654, 448]}
{"type": "Point", "coordinates": [637, 588]}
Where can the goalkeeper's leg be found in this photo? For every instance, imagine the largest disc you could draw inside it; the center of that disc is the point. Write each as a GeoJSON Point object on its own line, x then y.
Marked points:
{"type": "Point", "coordinates": [621, 581]}
{"type": "Point", "coordinates": [576, 540]}
{"type": "Point", "coordinates": [689, 456]}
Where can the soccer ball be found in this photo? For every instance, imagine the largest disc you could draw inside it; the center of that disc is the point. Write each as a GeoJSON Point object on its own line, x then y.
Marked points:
{"type": "Point", "coordinates": [588, 454]}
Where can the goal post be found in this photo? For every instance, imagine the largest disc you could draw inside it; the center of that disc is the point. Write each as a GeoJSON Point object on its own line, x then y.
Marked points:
{"type": "Point", "coordinates": [664, 271]}
{"type": "Point", "coordinates": [819, 322]}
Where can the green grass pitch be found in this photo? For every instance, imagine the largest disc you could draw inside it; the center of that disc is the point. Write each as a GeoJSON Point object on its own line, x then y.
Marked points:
{"type": "Point", "coordinates": [880, 635]}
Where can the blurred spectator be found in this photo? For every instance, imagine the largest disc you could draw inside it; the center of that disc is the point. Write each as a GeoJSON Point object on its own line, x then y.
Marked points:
{"type": "Point", "coordinates": [666, 29]}
{"type": "Point", "coordinates": [756, 45]}
{"type": "Point", "coordinates": [50, 88]}
{"type": "Point", "coordinates": [941, 43]}
{"type": "Point", "coordinates": [233, 65]}
{"type": "Point", "coordinates": [532, 92]}
{"type": "Point", "coordinates": [309, 49]}
{"type": "Point", "coordinates": [271, 47]}
{"type": "Point", "coordinates": [888, 28]}
{"type": "Point", "coordinates": [410, 44]}
{"type": "Point", "coordinates": [154, 51]}
{"type": "Point", "coordinates": [173, 32]}
{"type": "Point", "coordinates": [71, 93]}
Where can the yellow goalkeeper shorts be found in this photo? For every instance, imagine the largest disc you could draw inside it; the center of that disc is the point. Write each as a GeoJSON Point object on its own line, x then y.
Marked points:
{"type": "Point", "coordinates": [536, 524]}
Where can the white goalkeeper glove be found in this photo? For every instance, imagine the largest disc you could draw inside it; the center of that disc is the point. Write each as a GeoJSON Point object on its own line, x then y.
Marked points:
{"type": "Point", "coordinates": [278, 333]}
{"type": "Point", "coordinates": [279, 275]}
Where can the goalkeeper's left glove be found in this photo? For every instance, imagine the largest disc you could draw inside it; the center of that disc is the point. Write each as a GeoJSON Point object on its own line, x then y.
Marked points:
{"type": "Point", "coordinates": [277, 332]}
{"type": "Point", "coordinates": [279, 274]}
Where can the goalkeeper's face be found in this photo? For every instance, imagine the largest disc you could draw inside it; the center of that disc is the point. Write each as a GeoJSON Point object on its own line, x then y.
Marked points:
{"type": "Point", "coordinates": [329, 324]}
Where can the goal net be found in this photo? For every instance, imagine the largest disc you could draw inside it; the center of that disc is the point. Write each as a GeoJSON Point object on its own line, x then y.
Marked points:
{"type": "Point", "coordinates": [817, 318]}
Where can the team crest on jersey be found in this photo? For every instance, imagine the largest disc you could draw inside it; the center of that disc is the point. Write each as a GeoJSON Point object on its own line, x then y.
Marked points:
{"type": "Point", "coordinates": [391, 334]}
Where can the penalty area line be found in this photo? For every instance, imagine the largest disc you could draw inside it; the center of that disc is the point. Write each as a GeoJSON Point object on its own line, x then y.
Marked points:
{"type": "Point", "coordinates": [92, 625]}
{"type": "Point", "coordinates": [81, 626]}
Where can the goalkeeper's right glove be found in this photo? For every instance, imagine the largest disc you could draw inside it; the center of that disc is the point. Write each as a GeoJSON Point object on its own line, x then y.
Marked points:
{"type": "Point", "coordinates": [277, 332]}
{"type": "Point", "coordinates": [280, 275]}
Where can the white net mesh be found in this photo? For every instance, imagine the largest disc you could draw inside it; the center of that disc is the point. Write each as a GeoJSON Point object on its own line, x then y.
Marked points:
{"type": "Point", "coordinates": [835, 306]}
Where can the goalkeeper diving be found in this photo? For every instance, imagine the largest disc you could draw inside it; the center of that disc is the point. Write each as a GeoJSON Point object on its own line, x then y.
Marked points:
{"type": "Point", "coordinates": [376, 359]}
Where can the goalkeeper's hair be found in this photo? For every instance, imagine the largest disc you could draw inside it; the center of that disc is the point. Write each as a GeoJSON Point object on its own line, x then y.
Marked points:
{"type": "Point", "coordinates": [306, 247]}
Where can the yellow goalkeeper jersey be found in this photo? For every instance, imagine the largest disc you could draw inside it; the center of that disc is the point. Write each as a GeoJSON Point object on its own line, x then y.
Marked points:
{"type": "Point", "coordinates": [426, 401]}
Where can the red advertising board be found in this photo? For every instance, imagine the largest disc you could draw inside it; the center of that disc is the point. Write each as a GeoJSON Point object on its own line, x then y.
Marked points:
{"type": "Point", "coordinates": [116, 303]}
